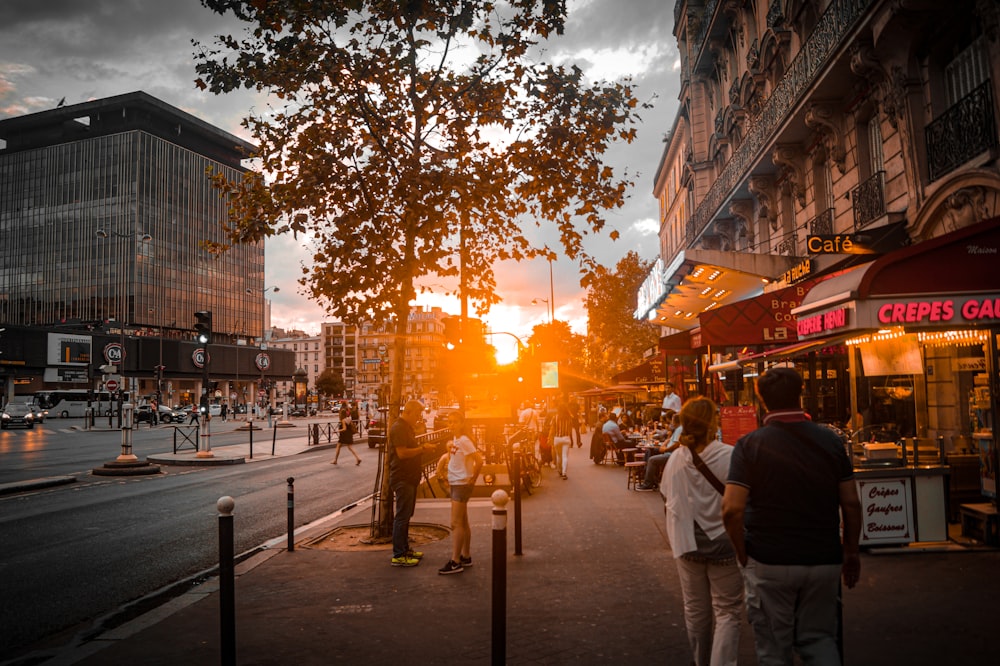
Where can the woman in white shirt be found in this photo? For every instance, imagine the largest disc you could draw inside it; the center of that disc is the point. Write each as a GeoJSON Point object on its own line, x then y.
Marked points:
{"type": "Point", "coordinates": [706, 562]}
{"type": "Point", "coordinates": [464, 463]}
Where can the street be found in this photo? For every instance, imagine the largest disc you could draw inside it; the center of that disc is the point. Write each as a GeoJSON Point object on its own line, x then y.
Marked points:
{"type": "Point", "coordinates": [76, 552]}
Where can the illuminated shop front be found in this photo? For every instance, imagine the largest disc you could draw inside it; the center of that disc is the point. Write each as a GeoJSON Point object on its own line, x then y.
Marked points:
{"type": "Point", "coordinates": [924, 328]}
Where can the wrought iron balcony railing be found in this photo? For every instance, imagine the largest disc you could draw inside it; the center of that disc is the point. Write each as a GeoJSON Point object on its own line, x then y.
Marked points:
{"type": "Point", "coordinates": [822, 224]}
{"type": "Point", "coordinates": [963, 131]}
{"type": "Point", "coordinates": [869, 200]}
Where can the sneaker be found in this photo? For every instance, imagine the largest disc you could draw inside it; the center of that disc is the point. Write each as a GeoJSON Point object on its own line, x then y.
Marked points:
{"type": "Point", "coordinates": [415, 554]}
{"type": "Point", "coordinates": [405, 561]}
{"type": "Point", "coordinates": [450, 568]}
{"type": "Point", "coordinates": [465, 561]}
{"type": "Point", "coordinates": [645, 488]}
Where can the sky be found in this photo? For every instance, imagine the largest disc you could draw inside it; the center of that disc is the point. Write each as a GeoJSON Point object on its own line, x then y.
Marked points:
{"type": "Point", "coordinates": [80, 51]}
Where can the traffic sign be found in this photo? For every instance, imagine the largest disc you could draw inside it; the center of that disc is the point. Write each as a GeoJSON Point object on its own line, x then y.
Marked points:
{"type": "Point", "coordinates": [111, 385]}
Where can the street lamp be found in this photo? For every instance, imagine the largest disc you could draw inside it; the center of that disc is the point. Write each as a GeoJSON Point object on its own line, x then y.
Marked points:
{"type": "Point", "coordinates": [123, 291]}
{"type": "Point", "coordinates": [536, 301]}
{"type": "Point", "coordinates": [126, 463]}
{"type": "Point", "coordinates": [263, 345]}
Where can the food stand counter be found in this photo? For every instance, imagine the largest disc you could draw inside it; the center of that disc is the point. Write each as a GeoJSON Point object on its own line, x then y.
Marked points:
{"type": "Point", "coordinates": [903, 500]}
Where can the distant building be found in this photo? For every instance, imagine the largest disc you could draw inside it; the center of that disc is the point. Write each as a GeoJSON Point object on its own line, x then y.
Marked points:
{"type": "Point", "coordinates": [424, 345]}
{"type": "Point", "coordinates": [340, 348]}
{"type": "Point", "coordinates": [309, 356]}
{"type": "Point", "coordinates": [105, 209]}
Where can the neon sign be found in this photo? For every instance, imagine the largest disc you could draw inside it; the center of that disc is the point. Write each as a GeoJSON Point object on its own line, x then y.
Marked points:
{"type": "Point", "coordinates": [821, 323]}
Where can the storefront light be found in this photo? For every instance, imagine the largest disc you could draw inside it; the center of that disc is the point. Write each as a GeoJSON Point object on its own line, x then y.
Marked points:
{"type": "Point", "coordinates": [949, 338]}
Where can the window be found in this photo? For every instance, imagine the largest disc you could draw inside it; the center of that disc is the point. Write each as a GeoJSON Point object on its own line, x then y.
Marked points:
{"type": "Point", "coordinates": [966, 71]}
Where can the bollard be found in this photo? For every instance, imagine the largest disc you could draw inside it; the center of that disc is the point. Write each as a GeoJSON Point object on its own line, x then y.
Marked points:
{"type": "Point", "coordinates": [517, 499]}
{"type": "Point", "coordinates": [251, 438]}
{"type": "Point", "coordinates": [227, 582]}
{"type": "Point", "coordinates": [291, 514]}
{"type": "Point", "coordinates": [274, 437]}
{"type": "Point", "coordinates": [499, 628]}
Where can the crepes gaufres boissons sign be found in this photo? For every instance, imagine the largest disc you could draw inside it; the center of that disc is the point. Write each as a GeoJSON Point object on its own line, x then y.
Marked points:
{"type": "Point", "coordinates": [962, 310]}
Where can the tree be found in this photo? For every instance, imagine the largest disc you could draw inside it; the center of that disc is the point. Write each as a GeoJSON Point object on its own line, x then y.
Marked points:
{"type": "Point", "coordinates": [330, 383]}
{"type": "Point", "coordinates": [617, 339]}
{"type": "Point", "coordinates": [557, 342]}
{"type": "Point", "coordinates": [417, 141]}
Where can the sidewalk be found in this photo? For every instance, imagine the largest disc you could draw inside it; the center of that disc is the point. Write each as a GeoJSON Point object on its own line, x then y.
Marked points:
{"type": "Point", "coordinates": [596, 584]}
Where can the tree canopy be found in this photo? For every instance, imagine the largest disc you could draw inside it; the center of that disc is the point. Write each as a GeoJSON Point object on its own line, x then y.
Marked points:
{"type": "Point", "coordinates": [414, 142]}
{"type": "Point", "coordinates": [617, 339]}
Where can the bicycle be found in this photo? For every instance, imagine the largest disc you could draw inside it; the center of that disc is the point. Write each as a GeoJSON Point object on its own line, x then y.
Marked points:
{"type": "Point", "coordinates": [530, 468]}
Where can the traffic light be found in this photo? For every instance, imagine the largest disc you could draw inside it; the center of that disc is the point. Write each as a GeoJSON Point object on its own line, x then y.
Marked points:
{"type": "Point", "coordinates": [452, 331]}
{"type": "Point", "coordinates": [203, 326]}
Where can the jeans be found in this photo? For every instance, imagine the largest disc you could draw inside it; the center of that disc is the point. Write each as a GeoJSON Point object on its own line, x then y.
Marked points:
{"type": "Point", "coordinates": [560, 451]}
{"type": "Point", "coordinates": [793, 607]}
{"type": "Point", "coordinates": [712, 591]}
{"type": "Point", "coordinates": [654, 468]}
{"type": "Point", "coordinates": [406, 502]}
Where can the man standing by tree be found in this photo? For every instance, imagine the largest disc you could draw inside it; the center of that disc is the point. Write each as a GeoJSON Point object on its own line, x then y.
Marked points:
{"type": "Point", "coordinates": [790, 482]}
{"type": "Point", "coordinates": [405, 466]}
{"type": "Point", "coordinates": [405, 161]}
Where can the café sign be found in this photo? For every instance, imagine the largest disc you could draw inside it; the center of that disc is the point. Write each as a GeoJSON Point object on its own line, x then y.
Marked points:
{"type": "Point", "coordinates": [840, 244]}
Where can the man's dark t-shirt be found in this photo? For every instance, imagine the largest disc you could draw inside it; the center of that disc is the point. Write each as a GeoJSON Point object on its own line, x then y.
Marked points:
{"type": "Point", "coordinates": [403, 471]}
{"type": "Point", "coordinates": [792, 514]}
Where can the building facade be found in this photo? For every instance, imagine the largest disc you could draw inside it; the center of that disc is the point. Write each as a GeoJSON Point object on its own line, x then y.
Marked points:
{"type": "Point", "coordinates": [843, 159]}
{"type": "Point", "coordinates": [424, 346]}
{"type": "Point", "coordinates": [105, 212]}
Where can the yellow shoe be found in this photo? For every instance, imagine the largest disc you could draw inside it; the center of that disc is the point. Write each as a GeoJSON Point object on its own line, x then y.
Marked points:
{"type": "Point", "coordinates": [405, 561]}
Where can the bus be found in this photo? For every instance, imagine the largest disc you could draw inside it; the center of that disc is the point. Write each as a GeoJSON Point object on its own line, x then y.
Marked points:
{"type": "Point", "coordinates": [72, 404]}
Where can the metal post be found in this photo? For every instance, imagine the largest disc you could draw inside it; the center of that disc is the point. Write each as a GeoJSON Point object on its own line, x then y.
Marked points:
{"type": "Point", "coordinates": [227, 582]}
{"type": "Point", "coordinates": [499, 596]}
{"type": "Point", "coordinates": [274, 437]}
{"type": "Point", "coordinates": [251, 438]}
{"type": "Point", "coordinates": [291, 514]}
{"type": "Point", "coordinates": [517, 498]}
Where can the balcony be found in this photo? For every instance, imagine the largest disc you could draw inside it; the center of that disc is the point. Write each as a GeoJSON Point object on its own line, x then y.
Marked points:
{"type": "Point", "coordinates": [787, 246]}
{"type": "Point", "coordinates": [822, 224]}
{"type": "Point", "coordinates": [869, 201]}
{"type": "Point", "coordinates": [834, 26]}
{"type": "Point", "coordinates": [962, 132]}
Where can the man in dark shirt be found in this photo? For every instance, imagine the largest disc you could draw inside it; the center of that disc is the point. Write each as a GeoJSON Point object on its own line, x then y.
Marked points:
{"type": "Point", "coordinates": [790, 482]}
{"type": "Point", "coordinates": [405, 468]}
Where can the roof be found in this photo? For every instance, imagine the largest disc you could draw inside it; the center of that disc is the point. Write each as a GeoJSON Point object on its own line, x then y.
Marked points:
{"type": "Point", "coordinates": [122, 113]}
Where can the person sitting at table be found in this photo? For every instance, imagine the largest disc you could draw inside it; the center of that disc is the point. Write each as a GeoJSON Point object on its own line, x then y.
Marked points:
{"type": "Point", "coordinates": [656, 460]}
{"type": "Point", "coordinates": [614, 433]}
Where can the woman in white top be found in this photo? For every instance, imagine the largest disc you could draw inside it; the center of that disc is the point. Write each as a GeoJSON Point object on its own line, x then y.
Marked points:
{"type": "Point", "coordinates": [706, 562]}
{"type": "Point", "coordinates": [464, 463]}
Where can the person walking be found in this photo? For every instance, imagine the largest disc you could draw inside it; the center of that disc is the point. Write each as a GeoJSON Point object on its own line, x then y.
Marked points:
{"type": "Point", "coordinates": [790, 482]}
{"type": "Point", "coordinates": [405, 467]}
{"type": "Point", "coordinates": [561, 428]}
{"type": "Point", "coordinates": [345, 436]}
{"type": "Point", "coordinates": [464, 464]}
{"type": "Point", "coordinates": [194, 415]}
{"type": "Point", "coordinates": [711, 584]}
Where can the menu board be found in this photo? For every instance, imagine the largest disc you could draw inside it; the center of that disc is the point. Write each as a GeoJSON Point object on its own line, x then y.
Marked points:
{"type": "Point", "coordinates": [886, 511]}
{"type": "Point", "coordinates": [737, 421]}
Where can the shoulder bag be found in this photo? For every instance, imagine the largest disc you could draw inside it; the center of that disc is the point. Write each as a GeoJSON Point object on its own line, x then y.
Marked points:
{"type": "Point", "coordinates": [700, 465]}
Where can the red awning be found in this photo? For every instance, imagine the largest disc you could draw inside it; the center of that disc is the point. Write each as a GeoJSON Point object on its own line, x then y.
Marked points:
{"type": "Point", "coordinates": [678, 344]}
{"type": "Point", "coordinates": [650, 371]}
{"type": "Point", "coordinates": [962, 261]}
{"type": "Point", "coordinates": [761, 320]}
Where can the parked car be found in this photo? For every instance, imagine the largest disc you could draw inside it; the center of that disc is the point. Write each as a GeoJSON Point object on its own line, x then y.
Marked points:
{"type": "Point", "coordinates": [376, 428]}
{"type": "Point", "coordinates": [17, 414]}
{"type": "Point", "coordinates": [297, 411]}
{"type": "Point", "coordinates": [143, 414]}
{"type": "Point", "coordinates": [168, 415]}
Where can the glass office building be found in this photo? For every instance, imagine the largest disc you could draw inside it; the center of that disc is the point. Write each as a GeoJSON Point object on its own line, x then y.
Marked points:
{"type": "Point", "coordinates": [105, 211]}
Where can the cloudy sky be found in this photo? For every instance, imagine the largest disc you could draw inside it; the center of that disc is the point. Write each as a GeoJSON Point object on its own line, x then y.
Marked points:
{"type": "Point", "coordinates": [54, 49]}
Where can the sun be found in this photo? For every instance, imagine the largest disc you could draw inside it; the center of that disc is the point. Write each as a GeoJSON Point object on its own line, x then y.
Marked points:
{"type": "Point", "coordinates": [506, 334]}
